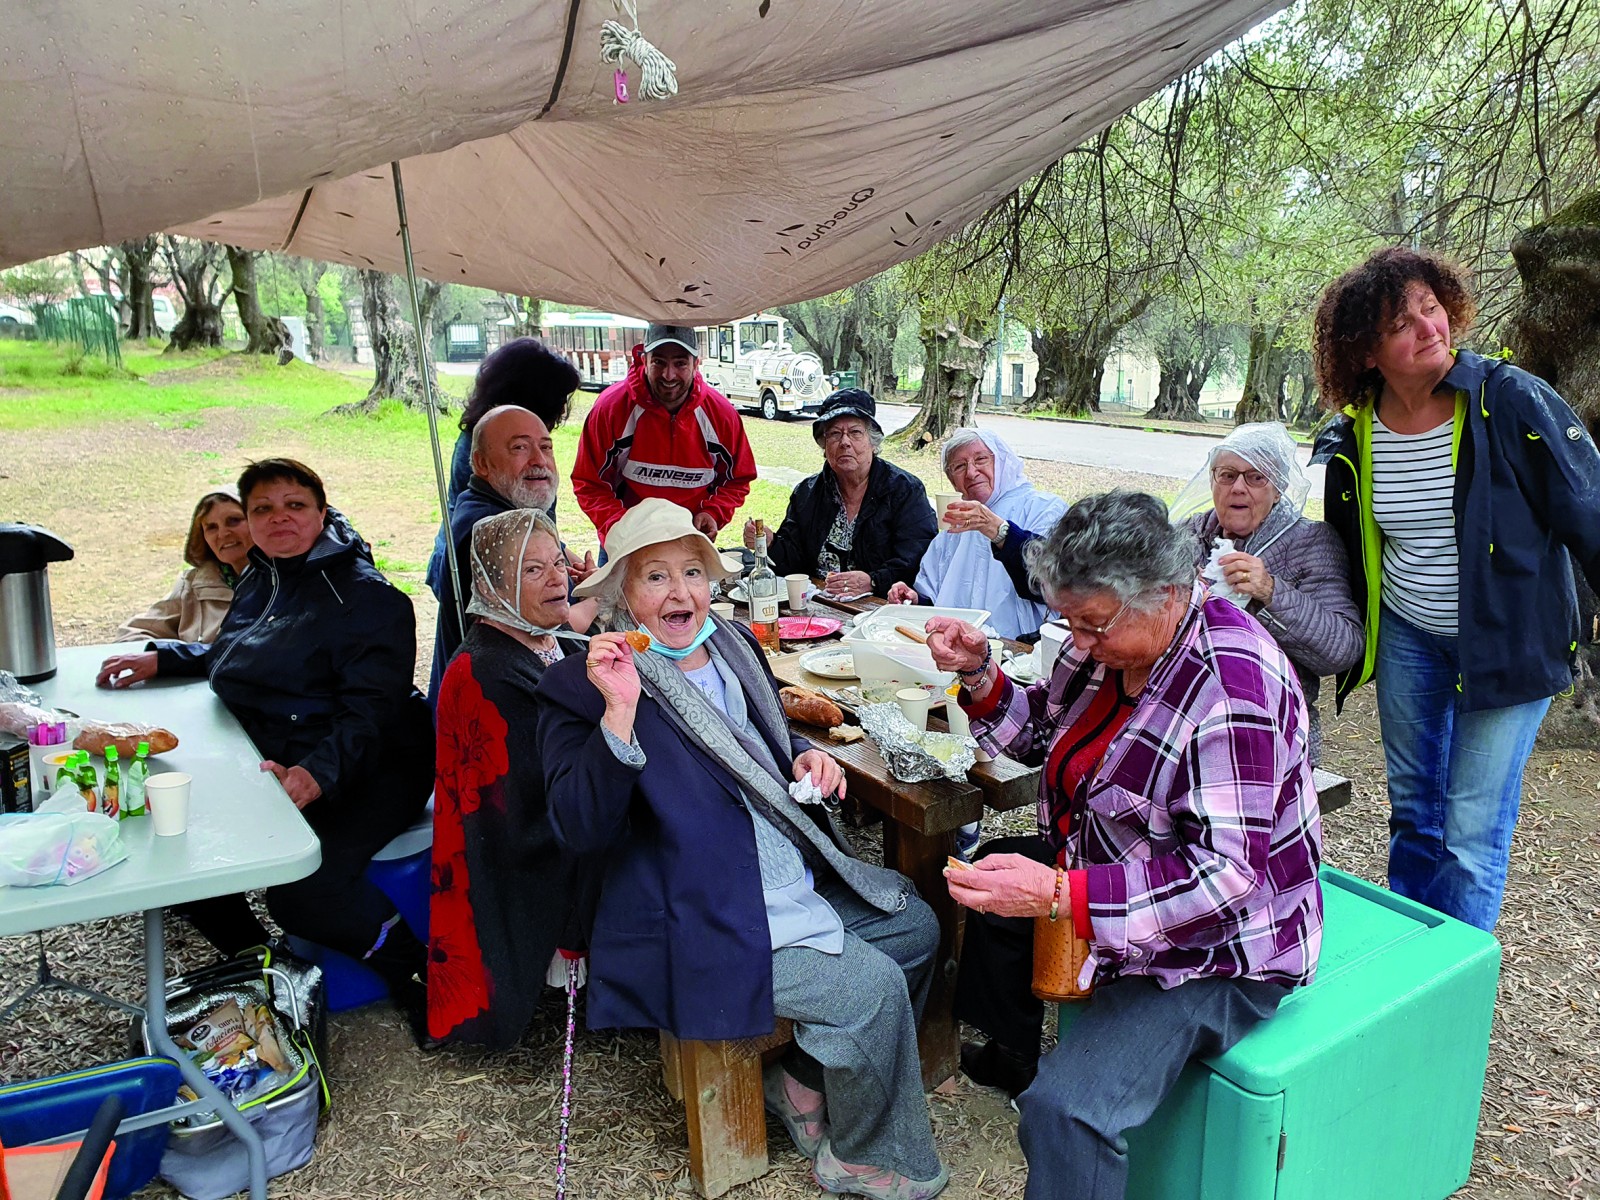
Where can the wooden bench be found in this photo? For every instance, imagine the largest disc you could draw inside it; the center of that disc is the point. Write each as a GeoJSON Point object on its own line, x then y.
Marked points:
{"type": "Point", "coordinates": [1333, 791]}
{"type": "Point", "coordinates": [719, 1084]}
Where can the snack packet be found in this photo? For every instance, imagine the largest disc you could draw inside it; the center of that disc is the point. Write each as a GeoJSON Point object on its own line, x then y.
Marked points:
{"type": "Point", "coordinates": [224, 1048]}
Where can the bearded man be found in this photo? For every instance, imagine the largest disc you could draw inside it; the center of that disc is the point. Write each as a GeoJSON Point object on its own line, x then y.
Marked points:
{"type": "Point", "coordinates": [513, 466]}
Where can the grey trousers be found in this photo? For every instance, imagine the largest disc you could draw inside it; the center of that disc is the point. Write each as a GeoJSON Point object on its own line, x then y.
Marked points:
{"type": "Point", "coordinates": [855, 1015]}
{"type": "Point", "coordinates": [1116, 1065]}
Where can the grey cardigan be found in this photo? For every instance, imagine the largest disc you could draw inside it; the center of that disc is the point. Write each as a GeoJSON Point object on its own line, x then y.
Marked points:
{"type": "Point", "coordinates": [1312, 615]}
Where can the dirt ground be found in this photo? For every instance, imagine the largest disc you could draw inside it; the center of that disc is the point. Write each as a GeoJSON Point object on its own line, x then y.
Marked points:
{"type": "Point", "coordinates": [460, 1123]}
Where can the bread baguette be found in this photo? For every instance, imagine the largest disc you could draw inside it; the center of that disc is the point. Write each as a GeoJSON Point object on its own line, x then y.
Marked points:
{"type": "Point", "coordinates": [810, 706]}
{"type": "Point", "coordinates": [125, 736]}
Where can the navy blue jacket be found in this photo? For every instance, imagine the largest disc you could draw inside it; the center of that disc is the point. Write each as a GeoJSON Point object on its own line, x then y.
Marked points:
{"type": "Point", "coordinates": [476, 501]}
{"type": "Point", "coordinates": [893, 527]}
{"type": "Point", "coordinates": [315, 660]}
{"type": "Point", "coordinates": [680, 937]}
{"type": "Point", "coordinates": [1527, 506]}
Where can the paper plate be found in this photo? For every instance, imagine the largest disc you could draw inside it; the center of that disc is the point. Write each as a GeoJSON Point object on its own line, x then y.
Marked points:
{"type": "Point", "coordinates": [805, 629]}
{"type": "Point", "coordinates": [832, 663]}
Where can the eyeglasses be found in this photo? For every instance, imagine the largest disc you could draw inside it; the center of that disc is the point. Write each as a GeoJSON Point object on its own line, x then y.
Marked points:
{"type": "Point", "coordinates": [1099, 631]}
{"type": "Point", "coordinates": [1227, 477]}
{"type": "Point", "coordinates": [834, 436]}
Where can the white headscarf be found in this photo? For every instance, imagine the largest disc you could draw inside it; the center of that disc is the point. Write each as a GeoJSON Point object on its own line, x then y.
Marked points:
{"type": "Point", "coordinates": [960, 569]}
{"type": "Point", "coordinates": [498, 544]}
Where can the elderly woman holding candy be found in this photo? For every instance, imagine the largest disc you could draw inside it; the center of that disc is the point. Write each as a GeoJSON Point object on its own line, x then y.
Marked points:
{"type": "Point", "coordinates": [730, 897]}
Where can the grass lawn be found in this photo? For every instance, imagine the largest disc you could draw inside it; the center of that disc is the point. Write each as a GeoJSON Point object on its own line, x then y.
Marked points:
{"type": "Point", "coordinates": [113, 460]}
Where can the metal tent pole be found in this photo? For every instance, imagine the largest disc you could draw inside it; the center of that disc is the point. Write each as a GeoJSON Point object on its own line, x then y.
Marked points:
{"type": "Point", "coordinates": [428, 399]}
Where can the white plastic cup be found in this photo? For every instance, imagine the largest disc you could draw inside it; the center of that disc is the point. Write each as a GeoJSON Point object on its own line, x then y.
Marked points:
{"type": "Point", "coordinates": [797, 585]}
{"type": "Point", "coordinates": [914, 703]}
{"type": "Point", "coordinates": [722, 611]}
{"type": "Point", "coordinates": [956, 717]}
{"type": "Point", "coordinates": [166, 798]}
{"type": "Point", "coordinates": [1052, 638]}
{"type": "Point", "coordinates": [942, 501]}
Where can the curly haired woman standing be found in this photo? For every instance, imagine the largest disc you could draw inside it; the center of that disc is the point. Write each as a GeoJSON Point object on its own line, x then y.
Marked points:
{"type": "Point", "coordinates": [1465, 490]}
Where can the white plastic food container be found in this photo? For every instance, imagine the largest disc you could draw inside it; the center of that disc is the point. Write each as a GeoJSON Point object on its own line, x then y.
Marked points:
{"type": "Point", "coordinates": [884, 656]}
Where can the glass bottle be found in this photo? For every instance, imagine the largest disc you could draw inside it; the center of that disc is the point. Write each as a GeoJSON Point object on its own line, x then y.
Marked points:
{"type": "Point", "coordinates": [763, 588]}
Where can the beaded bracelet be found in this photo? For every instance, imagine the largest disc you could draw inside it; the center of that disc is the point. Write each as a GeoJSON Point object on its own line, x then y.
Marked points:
{"type": "Point", "coordinates": [1055, 901]}
{"type": "Point", "coordinates": [977, 672]}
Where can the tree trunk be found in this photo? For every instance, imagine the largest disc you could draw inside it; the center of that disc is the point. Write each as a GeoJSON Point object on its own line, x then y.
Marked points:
{"type": "Point", "coordinates": [397, 372]}
{"type": "Point", "coordinates": [308, 275]}
{"type": "Point", "coordinates": [138, 288]}
{"type": "Point", "coordinates": [952, 359]}
{"type": "Point", "coordinates": [1555, 333]}
{"type": "Point", "coordinates": [316, 326]}
{"type": "Point", "coordinates": [266, 335]}
{"type": "Point", "coordinates": [1072, 363]}
{"type": "Point", "coordinates": [1178, 393]}
{"type": "Point", "coordinates": [1303, 411]}
{"type": "Point", "coordinates": [526, 312]}
{"type": "Point", "coordinates": [1263, 377]}
{"type": "Point", "coordinates": [194, 274]}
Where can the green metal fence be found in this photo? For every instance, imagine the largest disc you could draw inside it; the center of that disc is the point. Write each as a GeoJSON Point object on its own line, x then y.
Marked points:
{"type": "Point", "coordinates": [86, 321]}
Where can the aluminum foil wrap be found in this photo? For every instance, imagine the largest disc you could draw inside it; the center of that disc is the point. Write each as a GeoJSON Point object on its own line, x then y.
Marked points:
{"type": "Point", "coordinates": [910, 753]}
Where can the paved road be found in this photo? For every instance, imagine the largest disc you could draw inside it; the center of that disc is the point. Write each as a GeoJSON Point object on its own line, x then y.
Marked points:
{"type": "Point", "coordinates": [1173, 454]}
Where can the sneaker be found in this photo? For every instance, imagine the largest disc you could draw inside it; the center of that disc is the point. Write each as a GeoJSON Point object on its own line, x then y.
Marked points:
{"type": "Point", "coordinates": [806, 1129]}
{"type": "Point", "coordinates": [993, 1065]}
{"type": "Point", "coordinates": [879, 1182]}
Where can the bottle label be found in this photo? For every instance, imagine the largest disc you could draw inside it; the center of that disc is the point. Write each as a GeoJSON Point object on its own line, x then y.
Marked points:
{"type": "Point", "coordinates": [764, 610]}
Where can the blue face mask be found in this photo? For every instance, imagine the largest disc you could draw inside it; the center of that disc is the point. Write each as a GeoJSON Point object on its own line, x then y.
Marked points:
{"type": "Point", "coordinates": [706, 630]}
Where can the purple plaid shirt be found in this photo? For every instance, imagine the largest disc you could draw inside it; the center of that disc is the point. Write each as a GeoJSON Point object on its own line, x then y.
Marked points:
{"type": "Point", "coordinates": [1198, 835]}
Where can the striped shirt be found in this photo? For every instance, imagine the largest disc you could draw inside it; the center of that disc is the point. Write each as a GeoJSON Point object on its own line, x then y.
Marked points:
{"type": "Point", "coordinates": [1413, 485]}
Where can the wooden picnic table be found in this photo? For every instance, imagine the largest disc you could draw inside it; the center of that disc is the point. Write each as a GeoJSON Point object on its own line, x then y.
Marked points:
{"type": "Point", "coordinates": [919, 832]}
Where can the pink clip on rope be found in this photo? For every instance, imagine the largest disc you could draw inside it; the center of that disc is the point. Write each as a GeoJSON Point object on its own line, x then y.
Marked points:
{"type": "Point", "coordinates": [621, 80]}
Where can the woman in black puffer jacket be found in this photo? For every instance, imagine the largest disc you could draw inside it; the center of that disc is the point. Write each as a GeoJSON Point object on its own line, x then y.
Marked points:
{"type": "Point", "coordinates": [315, 659]}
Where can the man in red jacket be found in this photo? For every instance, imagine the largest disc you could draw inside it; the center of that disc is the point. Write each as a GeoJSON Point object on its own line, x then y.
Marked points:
{"type": "Point", "coordinates": [663, 431]}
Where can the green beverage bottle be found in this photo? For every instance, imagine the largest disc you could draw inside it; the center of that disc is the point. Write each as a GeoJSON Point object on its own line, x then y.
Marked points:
{"type": "Point", "coordinates": [133, 782]}
{"type": "Point", "coordinates": [111, 790]}
{"type": "Point", "coordinates": [88, 781]}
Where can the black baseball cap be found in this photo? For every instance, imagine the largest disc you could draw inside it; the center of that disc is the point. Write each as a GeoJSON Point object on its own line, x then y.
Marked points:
{"type": "Point", "coordinates": [846, 402]}
{"type": "Point", "coordinates": [677, 335]}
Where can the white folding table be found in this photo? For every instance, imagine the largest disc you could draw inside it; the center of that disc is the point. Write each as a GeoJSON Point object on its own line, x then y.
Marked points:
{"type": "Point", "coordinates": [244, 833]}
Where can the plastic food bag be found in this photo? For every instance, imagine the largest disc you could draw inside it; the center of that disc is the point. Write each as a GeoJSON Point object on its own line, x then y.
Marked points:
{"type": "Point", "coordinates": [38, 849]}
{"type": "Point", "coordinates": [67, 798]}
{"type": "Point", "coordinates": [1220, 587]}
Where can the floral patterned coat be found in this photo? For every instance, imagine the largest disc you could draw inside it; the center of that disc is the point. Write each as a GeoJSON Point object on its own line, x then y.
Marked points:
{"type": "Point", "coordinates": [505, 896]}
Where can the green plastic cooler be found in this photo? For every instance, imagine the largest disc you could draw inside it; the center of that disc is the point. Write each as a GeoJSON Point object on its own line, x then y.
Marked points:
{"type": "Point", "coordinates": [1365, 1084]}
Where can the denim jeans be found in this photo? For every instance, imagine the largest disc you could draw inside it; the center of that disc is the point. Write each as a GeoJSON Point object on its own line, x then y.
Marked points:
{"type": "Point", "coordinates": [1455, 778]}
{"type": "Point", "coordinates": [1115, 1066]}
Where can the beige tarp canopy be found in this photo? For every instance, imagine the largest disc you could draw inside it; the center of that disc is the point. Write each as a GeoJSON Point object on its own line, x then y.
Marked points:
{"type": "Point", "coordinates": [811, 143]}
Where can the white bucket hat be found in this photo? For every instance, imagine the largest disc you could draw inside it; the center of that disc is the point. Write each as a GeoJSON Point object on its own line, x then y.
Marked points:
{"type": "Point", "coordinates": [649, 523]}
